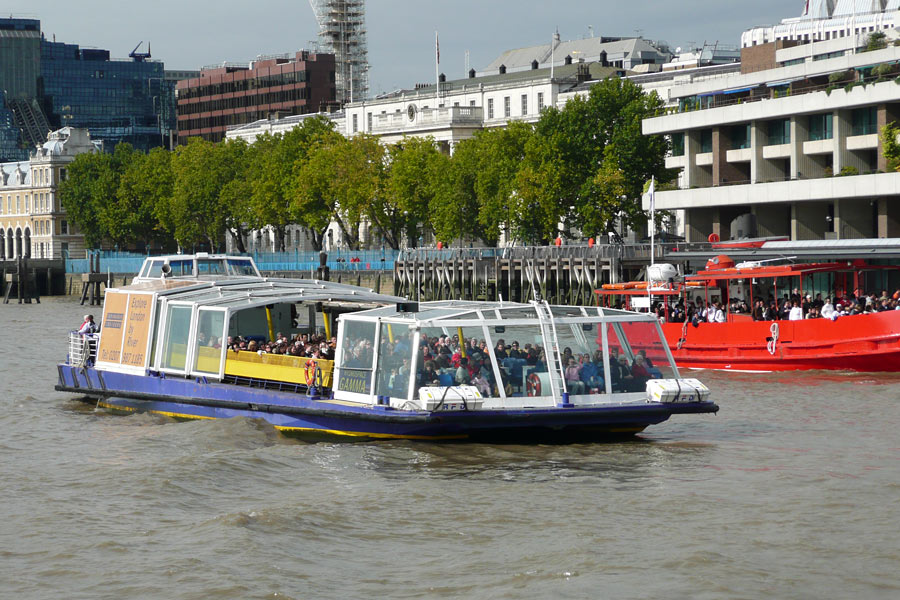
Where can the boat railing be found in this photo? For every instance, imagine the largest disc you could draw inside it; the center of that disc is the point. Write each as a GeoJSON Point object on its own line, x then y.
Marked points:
{"type": "Point", "coordinates": [83, 348]}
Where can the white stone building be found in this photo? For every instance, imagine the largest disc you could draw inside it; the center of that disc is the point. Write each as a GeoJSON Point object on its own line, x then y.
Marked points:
{"type": "Point", "coordinates": [32, 220]}
{"type": "Point", "coordinates": [792, 141]}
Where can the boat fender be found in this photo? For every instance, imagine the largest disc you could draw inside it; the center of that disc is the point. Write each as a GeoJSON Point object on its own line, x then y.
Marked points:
{"type": "Point", "coordinates": [773, 341]}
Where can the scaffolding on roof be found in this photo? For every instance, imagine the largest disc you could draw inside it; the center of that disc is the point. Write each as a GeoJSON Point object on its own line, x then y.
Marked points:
{"type": "Point", "coordinates": [342, 31]}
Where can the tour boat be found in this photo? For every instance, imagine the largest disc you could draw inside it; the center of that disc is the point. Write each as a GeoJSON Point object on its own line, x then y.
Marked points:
{"type": "Point", "coordinates": [160, 351]}
{"type": "Point", "coordinates": [863, 342]}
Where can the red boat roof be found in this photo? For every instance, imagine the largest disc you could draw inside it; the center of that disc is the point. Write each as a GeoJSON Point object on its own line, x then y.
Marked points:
{"type": "Point", "coordinates": [793, 270]}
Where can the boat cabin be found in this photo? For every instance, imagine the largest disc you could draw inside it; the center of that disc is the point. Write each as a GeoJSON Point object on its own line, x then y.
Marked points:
{"type": "Point", "coordinates": [197, 265]}
{"type": "Point", "coordinates": [181, 327]}
{"type": "Point", "coordinates": [441, 355]}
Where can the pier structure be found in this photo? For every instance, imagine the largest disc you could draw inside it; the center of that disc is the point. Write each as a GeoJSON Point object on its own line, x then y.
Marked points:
{"type": "Point", "coordinates": [25, 278]}
{"type": "Point", "coordinates": [560, 275]}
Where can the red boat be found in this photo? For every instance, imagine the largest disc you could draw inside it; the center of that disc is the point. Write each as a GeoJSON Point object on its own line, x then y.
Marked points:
{"type": "Point", "coordinates": [863, 342]}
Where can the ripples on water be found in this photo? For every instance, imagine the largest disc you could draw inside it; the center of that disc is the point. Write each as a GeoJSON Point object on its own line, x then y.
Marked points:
{"type": "Point", "coordinates": [790, 492]}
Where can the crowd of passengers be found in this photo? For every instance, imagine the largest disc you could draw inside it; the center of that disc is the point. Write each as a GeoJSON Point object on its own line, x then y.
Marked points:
{"type": "Point", "coordinates": [301, 344]}
{"type": "Point", "coordinates": [444, 361]}
{"type": "Point", "coordinates": [794, 307]}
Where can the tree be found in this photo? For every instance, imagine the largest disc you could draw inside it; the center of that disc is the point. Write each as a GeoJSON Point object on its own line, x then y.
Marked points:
{"type": "Point", "coordinates": [500, 154]}
{"type": "Point", "coordinates": [876, 41]}
{"type": "Point", "coordinates": [407, 191]}
{"type": "Point", "coordinates": [591, 137]}
{"type": "Point", "coordinates": [453, 208]}
{"type": "Point", "coordinates": [273, 159]}
{"type": "Point", "coordinates": [90, 197]}
{"type": "Point", "coordinates": [198, 210]}
{"type": "Point", "coordinates": [339, 181]}
{"type": "Point", "coordinates": [145, 185]}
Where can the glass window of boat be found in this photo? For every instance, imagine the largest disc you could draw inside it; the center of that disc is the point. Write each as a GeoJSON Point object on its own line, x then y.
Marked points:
{"type": "Point", "coordinates": [581, 347]}
{"type": "Point", "coordinates": [238, 266]}
{"type": "Point", "coordinates": [523, 354]}
{"type": "Point", "coordinates": [640, 338]}
{"type": "Point", "coordinates": [154, 269]}
{"type": "Point", "coordinates": [178, 328]}
{"type": "Point", "coordinates": [210, 266]}
{"type": "Point", "coordinates": [182, 268]}
{"type": "Point", "coordinates": [357, 348]}
{"type": "Point", "coordinates": [208, 342]}
{"type": "Point", "coordinates": [395, 354]}
{"type": "Point", "coordinates": [438, 365]}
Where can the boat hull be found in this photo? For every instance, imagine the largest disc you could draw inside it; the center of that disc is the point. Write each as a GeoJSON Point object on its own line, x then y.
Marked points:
{"type": "Point", "coordinates": [868, 343]}
{"type": "Point", "coordinates": [302, 415]}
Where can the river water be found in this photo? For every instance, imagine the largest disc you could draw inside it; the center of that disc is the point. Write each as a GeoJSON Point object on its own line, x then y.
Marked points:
{"type": "Point", "coordinates": [791, 491]}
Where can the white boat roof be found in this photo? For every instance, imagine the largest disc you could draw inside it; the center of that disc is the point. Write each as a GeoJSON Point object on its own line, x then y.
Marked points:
{"type": "Point", "coordinates": [465, 310]}
{"type": "Point", "coordinates": [249, 292]}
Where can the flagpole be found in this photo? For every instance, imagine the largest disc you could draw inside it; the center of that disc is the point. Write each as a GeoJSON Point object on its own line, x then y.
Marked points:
{"type": "Point", "coordinates": [437, 66]}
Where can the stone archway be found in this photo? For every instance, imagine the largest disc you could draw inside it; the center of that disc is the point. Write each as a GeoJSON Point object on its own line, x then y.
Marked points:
{"type": "Point", "coordinates": [26, 246]}
{"type": "Point", "coordinates": [9, 244]}
{"type": "Point", "coordinates": [2, 244]}
{"type": "Point", "coordinates": [18, 243]}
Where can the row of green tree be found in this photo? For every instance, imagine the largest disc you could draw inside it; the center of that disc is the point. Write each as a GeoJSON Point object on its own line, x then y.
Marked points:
{"type": "Point", "coordinates": [577, 169]}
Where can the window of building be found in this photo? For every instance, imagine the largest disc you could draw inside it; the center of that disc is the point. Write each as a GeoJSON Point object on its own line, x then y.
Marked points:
{"type": "Point", "coordinates": [355, 124]}
{"type": "Point", "coordinates": [369, 122]}
{"type": "Point", "coordinates": [865, 121]}
{"type": "Point", "coordinates": [490, 108]}
{"type": "Point", "coordinates": [677, 144]}
{"type": "Point", "coordinates": [540, 101]}
{"type": "Point", "coordinates": [821, 127]}
{"type": "Point", "coordinates": [524, 105]}
{"type": "Point", "coordinates": [506, 106]}
{"type": "Point", "coordinates": [18, 205]}
{"type": "Point", "coordinates": [740, 136]}
{"type": "Point", "coordinates": [471, 103]}
{"type": "Point", "coordinates": [64, 227]}
{"type": "Point", "coordinates": [779, 132]}
{"type": "Point", "coordinates": [706, 141]}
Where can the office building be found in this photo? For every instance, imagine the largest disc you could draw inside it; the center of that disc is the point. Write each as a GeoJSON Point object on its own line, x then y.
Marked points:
{"type": "Point", "coordinates": [231, 95]}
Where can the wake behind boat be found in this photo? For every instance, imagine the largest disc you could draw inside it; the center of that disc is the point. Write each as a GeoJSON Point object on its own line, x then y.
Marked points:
{"type": "Point", "coordinates": [433, 371]}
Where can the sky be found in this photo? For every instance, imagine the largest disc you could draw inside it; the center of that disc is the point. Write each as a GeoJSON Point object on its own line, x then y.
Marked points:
{"type": "Point", "coordinates": [189, 34]}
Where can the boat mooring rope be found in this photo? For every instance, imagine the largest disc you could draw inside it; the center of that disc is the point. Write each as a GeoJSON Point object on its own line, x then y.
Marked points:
{"type": "Point", "coordinates": [771, 343]}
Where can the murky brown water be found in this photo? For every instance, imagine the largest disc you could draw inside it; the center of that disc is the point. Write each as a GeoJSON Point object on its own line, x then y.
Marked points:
{"type": "Point", "coordinates": [791, 491]}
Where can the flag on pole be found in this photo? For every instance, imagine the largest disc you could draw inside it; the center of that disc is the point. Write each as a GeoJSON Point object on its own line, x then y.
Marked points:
{"type": "Point", "coordinates": [652, 195]}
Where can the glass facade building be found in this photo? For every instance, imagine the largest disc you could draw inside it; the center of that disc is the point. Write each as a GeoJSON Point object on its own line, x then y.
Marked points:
{"type": "Point", "coordinates": [10, 139]}
{"type": "Point", "coordinates": [20, 57]}
{"type": "Point", "coordinates": [116, 100]}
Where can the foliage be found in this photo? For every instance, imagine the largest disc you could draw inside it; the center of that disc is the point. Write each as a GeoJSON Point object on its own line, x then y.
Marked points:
{"type": "Point", "coordinates": [891, 147]}
{"type": "Point", "coordinates": [407, 191]}
{"type": "Point", "coordinates": [848, 170]}
{"type": "Point", "coordinates": [876, 41]}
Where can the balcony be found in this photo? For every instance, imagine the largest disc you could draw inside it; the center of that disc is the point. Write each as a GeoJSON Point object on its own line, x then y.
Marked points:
{"type": "Point", "coordinates": [704, 159]}
{"type": "Point", "coordinates": [428, 118]}
{"type": "Point", "coordinates": [862, 142]}
{"type": "Point", "coordinates": [818, 147]}
{"type": "Point", "coordinates": [777, 151]}
{"type": "Point", "coordinates": [739, 155]}
{"type": "Point", "coordinates": [676, 162]}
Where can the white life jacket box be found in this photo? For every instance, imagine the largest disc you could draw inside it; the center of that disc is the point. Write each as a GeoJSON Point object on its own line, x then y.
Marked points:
{"type": "Point", "coordinates": [457, 397]}
{"type": "Point", "coordinates": [677, 390]}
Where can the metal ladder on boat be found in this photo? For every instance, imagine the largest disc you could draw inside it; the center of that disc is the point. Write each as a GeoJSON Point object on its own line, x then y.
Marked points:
{"type": "Point", "coordinates": [554, 357]}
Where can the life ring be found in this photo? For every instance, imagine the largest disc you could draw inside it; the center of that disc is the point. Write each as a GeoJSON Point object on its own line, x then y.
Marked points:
{"type": "Point", "coordinates": [533, 385]}
{"type": "Point", "coordinates": [312, 368]}
{"type": "Point", "coordinates": [713, 238]}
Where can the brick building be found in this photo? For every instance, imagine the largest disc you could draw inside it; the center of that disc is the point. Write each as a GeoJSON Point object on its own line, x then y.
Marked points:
{"type": "Point", "coordinates": [232, 95]}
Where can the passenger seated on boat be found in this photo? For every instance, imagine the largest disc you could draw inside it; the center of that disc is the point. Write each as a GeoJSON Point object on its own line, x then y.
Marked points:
{"type": "Point", "coordinates": [88, 326]}
{"type": "Point", "coordinates": [590, 376]}
{"type": "Point", "coordinates": [640, 375]}
{"type": "Point", "coordinates": [462, 372]}
{"type": "Point", "coordinates": [429, 375]}
{"type": "Point", "coordinates": [621, 374]}
{"type": "Point", "coordinates": [573, 377]}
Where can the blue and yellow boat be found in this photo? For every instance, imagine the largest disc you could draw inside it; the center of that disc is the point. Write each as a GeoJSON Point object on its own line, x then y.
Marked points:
{"type": "Point", "coordinates": [429, 371]}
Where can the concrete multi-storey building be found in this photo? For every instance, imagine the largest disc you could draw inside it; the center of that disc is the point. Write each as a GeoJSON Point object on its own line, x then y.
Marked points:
{"type": "Point", "coordinates": [33, 222]}
{"type": "Point", "coordinates": [792, 140]}
{"type": "Point", "coordinates": [232, 95]}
